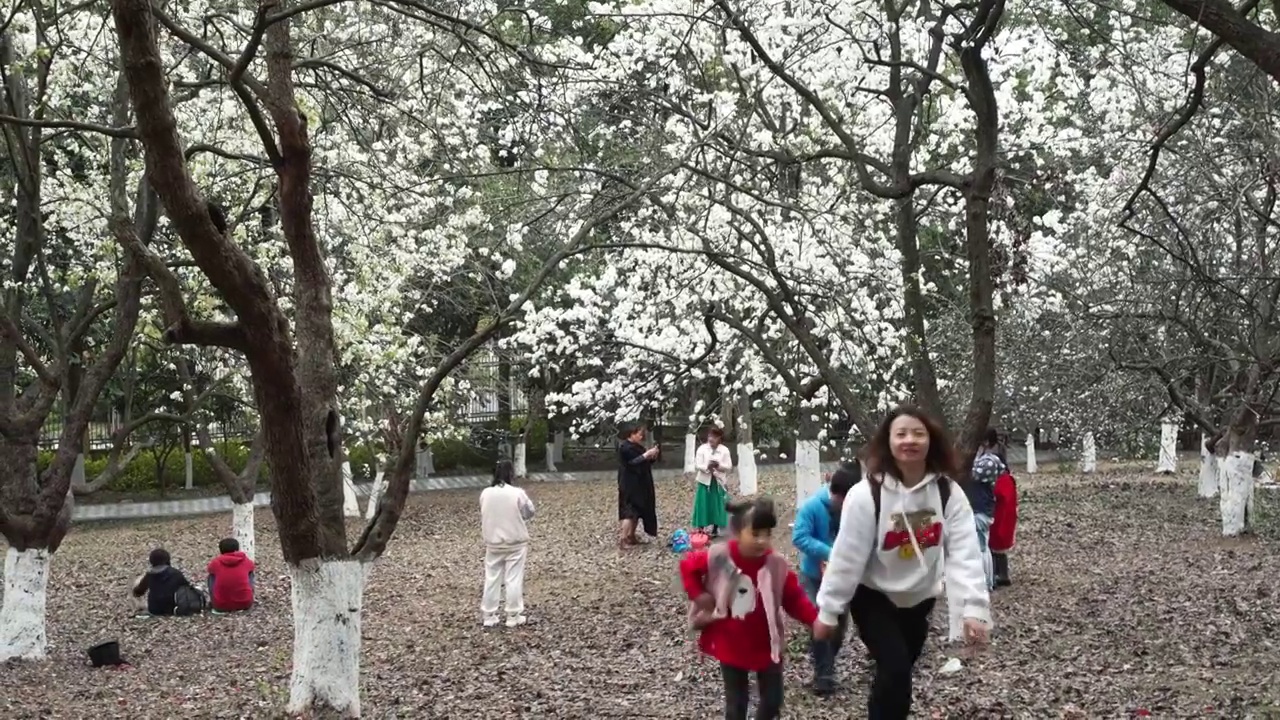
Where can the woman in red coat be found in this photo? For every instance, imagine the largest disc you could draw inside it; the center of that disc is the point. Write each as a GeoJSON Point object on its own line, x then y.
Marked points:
{"type": "Point", "coordinates": [1004, 526]}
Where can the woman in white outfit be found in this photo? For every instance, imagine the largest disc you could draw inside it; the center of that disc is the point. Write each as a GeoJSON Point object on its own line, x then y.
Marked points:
{"type": "Point", "coordinates": [505, 511]}
{"type": "Point", "coordinates": [901, 533]}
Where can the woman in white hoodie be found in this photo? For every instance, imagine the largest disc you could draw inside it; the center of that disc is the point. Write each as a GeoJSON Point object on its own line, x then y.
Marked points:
{"type": "Point", "coordinates": [888, 567]}
{"type": "Point", "coordinates": [505, 512]}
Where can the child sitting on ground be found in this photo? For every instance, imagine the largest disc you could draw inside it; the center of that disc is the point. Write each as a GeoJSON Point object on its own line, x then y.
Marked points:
{"type": "Point", "coordinates": [231, 578]}
{"type": "Point", "coordinates": [160, 584]}
{"type": "Point", "coordinates": [739, 591]}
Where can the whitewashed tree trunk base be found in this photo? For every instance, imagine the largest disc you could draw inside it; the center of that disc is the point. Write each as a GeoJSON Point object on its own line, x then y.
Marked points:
{"type": "Point", "coordinates": [690, 452]}
{"type": "Point", "coordinates": [1032, 465]}
{"type": "Point", "coordinates": [242, 528]}
{"type": "Point", "coordinates": [327, 601]}
{"type": "Point", "coordinates": [808, 469]}
{"type": "Point", "coordinates": [551, 458]}
{"type": "Point", "coordinates": [1236, 492]}
{"type": "Point", "coordinates": [1088, 454]}
{"type": "Point", "coordinates": [748, 475]}
{"type": "Point", "coordinates": [1167, 464]}
{"type": "Point", "coordinates": [188, 470]}
{"type": "Point", "coordinates": [379, 487]}
{"type": "Point", "coordinates": [1208, 470]}
{"type": "Point", "coordinates": [26, 584]}
{"type": "Point", "coordinates": [521, 460]}
{"type": "Point", "coordinates": [350, 501]}
{"type": "Point", "coordinates": [559, 441]}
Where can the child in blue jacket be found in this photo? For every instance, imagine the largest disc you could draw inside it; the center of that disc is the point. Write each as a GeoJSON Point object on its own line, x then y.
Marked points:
{"type": "Point", "coordinates": [817, 522]}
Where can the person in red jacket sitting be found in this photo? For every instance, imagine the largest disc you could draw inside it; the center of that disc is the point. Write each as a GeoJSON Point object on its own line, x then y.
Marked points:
{"type": "Point", "coordinates": [231, 578]}
{"type": "Point", "coordinates": [1004, 526]}
{"type": "Point", "coordinates": [738, 592]}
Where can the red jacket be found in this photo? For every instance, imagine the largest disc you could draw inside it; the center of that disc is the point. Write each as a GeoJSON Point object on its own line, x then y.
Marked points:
{"type": "Point", "coordinates": [231, 581]}
{"type": "Point", "coordinates": [1004, 524]}
{"type": "Point", "coordinates": [743, 642]}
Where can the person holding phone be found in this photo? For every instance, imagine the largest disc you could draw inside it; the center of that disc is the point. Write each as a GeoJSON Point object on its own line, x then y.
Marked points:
{"type": "Point", "coordinates": [637, 501]}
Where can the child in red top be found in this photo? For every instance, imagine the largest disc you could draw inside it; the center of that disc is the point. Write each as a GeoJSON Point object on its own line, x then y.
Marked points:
{"type": "Point", "coordinates": [231, 578]}
{"type": "Point", "coordinates": [739, 591]}
{"type": "Point", "coordinates": [1004, 527]}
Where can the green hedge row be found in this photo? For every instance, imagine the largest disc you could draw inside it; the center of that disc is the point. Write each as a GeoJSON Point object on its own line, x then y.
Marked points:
{"type": "Point", "coordinates": [150, 469]}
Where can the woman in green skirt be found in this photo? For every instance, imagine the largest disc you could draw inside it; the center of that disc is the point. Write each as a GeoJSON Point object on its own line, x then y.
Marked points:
{"type": "Point", "coordinates": [713, 463]}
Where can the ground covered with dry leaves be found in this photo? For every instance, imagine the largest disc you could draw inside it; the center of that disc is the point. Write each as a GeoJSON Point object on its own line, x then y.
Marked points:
{"type": "Point", "coordinates": [1126, 603]}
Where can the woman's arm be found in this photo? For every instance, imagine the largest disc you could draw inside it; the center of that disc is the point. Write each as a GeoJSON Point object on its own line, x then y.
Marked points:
{"type": "Point", "coordinates": [526, 506]}
{"type": "Point", "coordinates": [962, 560]}
{"type": "Point", "coordinates": [725, 459]}
{"type": "Point", "coordinates": [850, 553]}
{"type": "Point", "coordinates": [632, 454]}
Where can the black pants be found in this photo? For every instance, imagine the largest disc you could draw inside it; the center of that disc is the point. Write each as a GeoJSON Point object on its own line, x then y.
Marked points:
{"type": "Point", "coordinates": [737, 693]}
{"type": "Point", "coordinates": [894, 638]}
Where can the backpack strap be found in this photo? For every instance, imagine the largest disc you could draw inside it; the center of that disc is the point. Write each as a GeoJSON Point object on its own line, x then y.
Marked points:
{"type": "Point", "coordinates": [944, 492]}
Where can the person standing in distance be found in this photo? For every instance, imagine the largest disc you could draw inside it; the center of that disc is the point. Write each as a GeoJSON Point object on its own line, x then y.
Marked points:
{"type": "Point", "coordinates": [637, 501]}
{"type": "Point", "coordinates": [888, 566]}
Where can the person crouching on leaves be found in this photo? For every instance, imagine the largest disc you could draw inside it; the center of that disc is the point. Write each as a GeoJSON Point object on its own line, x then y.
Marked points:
{"type": "Point", "coordinates": [738, 592]}
{"type": "Point", "coordinates": [505, 511]}
{"type": "Point", "coordinates": [902, 531]}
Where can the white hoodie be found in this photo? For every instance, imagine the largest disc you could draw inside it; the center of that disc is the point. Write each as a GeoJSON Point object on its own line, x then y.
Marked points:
{"type": "Point", "coordinates": [903, 558]}
{"type": "Point", "coordinates": [505, 511]}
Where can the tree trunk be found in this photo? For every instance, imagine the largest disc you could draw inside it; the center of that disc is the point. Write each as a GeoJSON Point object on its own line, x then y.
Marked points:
{"type": "Point", "coordinates": [808, 461]}
{"type": "Point", "coordinates": [22, 626]}
{"type": "Point", "coordinates": [520, 457]}
{"type": "Point", "coordinates": [379, 486]}
{"type": "Point", "coordinates": [328, 597]}
{"type": "Point", "coordinates": [1088, 454]}
{"type": "Point", "coordinates": [1237, 493]}
{"type": "Point", "coordinates": [559, 441]}
{"type": "Point", "coordinates": [350, 499]}
{"type": "Point", "coordinates": [242, 528]}
{"type": "Point", "coordinates": [690, 452]}
{"type": "Point", "coordinates": [748, 475]}
{"type": "Point", "coordinates": [924, 377]}
{"type": "Point", "coordinates": [1032, 466]}
{"type": "Point", "coordinates": [1167, 464]}
{"type": "Point", "coordinates": [1208, 469]}
{"type": "Point", "coordinates": [188, 468]}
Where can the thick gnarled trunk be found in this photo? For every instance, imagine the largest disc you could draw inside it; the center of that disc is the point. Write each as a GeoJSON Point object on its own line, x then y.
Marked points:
{"type": "Point", "coordinates": [748, 474]}
{"type": "Point", "coordinates": [1032, 465]}
{"type": "Point", "coordinates": [22, 616]}
{"type": "Point", "coordinates": [1167, 463]}
{"type": "Point", "coordinates": [808, 461]}
{"type": "Point", "coordinates": [1088, 454]}
{"type": "Point", "coordinates": [1208, 486]}
{"type": "Point", "coordinates": [328, 600]}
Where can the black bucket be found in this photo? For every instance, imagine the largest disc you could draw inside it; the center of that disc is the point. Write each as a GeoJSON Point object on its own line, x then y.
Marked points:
{"type": "Point", "coordinates": [105, 654]}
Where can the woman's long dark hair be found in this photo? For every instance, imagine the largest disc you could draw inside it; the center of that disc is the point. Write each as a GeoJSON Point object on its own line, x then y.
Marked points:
{"type": "Point", "coordinates": [504, 473]}
{"type": "Point", "coordinates": [940, 458]}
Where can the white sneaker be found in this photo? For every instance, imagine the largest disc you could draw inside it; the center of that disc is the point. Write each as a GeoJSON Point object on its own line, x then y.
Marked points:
{"type": "Point", "coordinates": [490, 621]}
{"type": "Point", "coordinates": [516, 620]}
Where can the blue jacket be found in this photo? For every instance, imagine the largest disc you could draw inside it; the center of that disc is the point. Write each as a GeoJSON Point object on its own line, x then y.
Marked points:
{"type": "Point", "coordinates": [812, 533]}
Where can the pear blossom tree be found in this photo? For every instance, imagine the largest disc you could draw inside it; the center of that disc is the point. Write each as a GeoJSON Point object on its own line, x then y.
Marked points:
{"type": "Point", "coordinates": [69, 297]}
{"type": "Point", "coordinates": [284, 324]}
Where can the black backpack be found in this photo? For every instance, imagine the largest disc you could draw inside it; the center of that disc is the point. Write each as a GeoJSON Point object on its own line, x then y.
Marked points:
{"type": "Point", "coordinates": [189, 600]}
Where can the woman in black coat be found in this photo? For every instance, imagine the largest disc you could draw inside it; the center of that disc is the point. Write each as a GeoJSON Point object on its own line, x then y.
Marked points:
{"type": "Point", "coordinates": [637, 501]}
